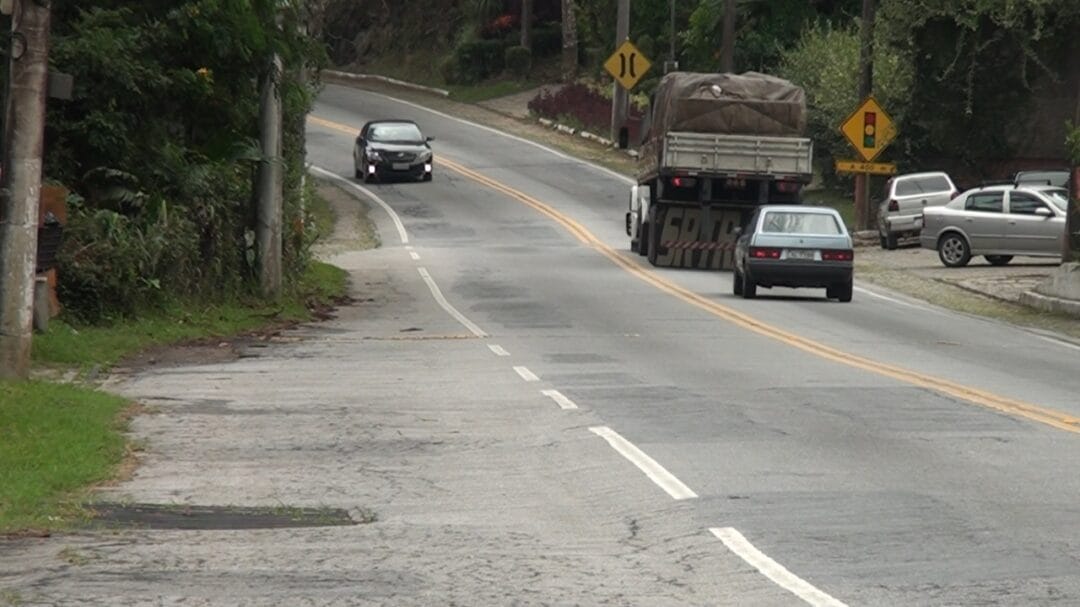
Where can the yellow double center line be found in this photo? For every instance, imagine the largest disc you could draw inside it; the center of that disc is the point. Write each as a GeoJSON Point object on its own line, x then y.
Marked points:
{"type": "Point", "coordinates": [1050, 417]}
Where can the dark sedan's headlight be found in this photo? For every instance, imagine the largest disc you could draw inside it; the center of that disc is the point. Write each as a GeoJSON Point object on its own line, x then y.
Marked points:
{"type": "Point", "coordinates": [374, 156]}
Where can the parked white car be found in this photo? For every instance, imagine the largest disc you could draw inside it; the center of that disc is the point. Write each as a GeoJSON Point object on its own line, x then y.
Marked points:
{"type": "Point", "coordinates": [998, 222]}
{"type": "Point", "coordinates": [900, 214]}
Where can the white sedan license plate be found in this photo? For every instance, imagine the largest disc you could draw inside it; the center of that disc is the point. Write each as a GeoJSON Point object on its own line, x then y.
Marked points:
{"type": "Point", "coordinates": [401, 166]}
{"type": "Point", "coordinates": [801, 254]}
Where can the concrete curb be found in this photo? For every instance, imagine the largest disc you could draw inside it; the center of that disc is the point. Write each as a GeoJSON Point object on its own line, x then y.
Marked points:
{"type": "Point", "coordinates": [562, 128]}
{"type": "Point", "coordinates": [1047, 303]}
{"type": "Point", "coordinates": [348, 76]}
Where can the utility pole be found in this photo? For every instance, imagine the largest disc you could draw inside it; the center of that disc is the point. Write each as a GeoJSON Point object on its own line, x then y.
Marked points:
{"type": "Point", "coordinates": [620, 98]}
{"type": "Point", "coordinates": [727, 45]}
{"type": "Point", "coordinates": [268, 217]}
{"type": "Point", "coordinates": [864, 211]}
{"type": "Point", "coordinates": [20, 183]}
{"type": "Point", "coordinates": [1072, 222]}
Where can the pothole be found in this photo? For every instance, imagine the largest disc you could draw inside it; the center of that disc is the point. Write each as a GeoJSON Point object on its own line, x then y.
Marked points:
{"type": "Point", "coordinates": [203, 518]}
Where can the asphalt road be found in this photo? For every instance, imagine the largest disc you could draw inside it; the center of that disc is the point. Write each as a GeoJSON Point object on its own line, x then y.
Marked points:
{"type": "Point", "coordinates": [536, 416]}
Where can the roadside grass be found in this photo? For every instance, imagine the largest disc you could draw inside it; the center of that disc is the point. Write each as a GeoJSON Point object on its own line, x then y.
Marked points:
{"type": "Point", "coordinates": [89, 347]}
{"type": "Point", "coordinates": [841, 200]}
{"type": "Point", "coordinates": [322, 214]}
{"type": "Point", "coordinates": [58, 439]}
{"type": "Point", "coordinates": [55, 440]}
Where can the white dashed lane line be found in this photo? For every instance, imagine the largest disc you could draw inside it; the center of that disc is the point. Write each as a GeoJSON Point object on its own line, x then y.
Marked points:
{"type": "Point", "coordinates": [776, 572]}
{"type": "Point", "coordinates": [414, 255]}
{"type": "Point", "coordinates": [526, 374]}
{"type": "Point", "coordinates": [666, 480]}
{"type": "Point", "coordinates": [498, 350]}
{"type": "Point", "coordinates": [559, 399]}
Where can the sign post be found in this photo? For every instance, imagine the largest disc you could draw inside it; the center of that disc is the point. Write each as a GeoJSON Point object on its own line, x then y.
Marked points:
{"type": "Point", "coordinates": [870, 130]}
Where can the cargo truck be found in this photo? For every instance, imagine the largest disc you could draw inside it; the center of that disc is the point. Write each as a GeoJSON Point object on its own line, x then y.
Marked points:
{"type": "Point", "coordinates": [714, 148]}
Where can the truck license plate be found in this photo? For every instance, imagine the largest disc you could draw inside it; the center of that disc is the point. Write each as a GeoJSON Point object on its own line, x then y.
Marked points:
{"type": "Point", "coordinates": [800, 254]}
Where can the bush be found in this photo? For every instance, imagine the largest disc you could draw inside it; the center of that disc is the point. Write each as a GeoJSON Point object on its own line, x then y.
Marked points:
{"type": "Point", "coordinates": [519, 61]}
{"type": "Point", "coordinates": [449, 70]}
{"type": "Point", "coordinates": [478, 60]}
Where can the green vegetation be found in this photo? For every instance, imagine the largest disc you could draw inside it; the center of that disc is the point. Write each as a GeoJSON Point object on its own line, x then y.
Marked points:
{"type": "Point", "coordinates": [159, 149]}
{"type": "Point", "coordinates": [102, 345]}
{"type": "Point", "coordinates": [54, 441]}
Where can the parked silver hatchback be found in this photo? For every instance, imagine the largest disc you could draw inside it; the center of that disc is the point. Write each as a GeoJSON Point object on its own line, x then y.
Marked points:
{"type": "Point", "coordinates": [997, 222]}
{"type": "Point", "coordinates": [900, 214]}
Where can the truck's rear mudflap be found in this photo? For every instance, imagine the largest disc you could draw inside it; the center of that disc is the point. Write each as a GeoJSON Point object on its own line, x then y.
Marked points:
{"type": "Point", "coordinates": [694, 237]}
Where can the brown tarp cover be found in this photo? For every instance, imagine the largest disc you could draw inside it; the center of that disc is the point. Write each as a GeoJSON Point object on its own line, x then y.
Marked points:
{"type": "Point", "coordinates": [736, 104]}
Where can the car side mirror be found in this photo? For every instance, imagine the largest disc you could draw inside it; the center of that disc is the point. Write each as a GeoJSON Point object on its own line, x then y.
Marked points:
{"type": "Point", "coordinates": [429, 139]}
{"type": "Point", "coordinates": [1044, 212]}
{"type": "Point", "coordinates": [359, 141]}
{"type": "Point", "coordinates": [737, 231]}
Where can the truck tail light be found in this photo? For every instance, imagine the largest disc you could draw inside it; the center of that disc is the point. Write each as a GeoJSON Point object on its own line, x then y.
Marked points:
{"type": "Point", "coordinates": [894, 206]}
{"type": "Point", "coordinates": [683, 182]}
{"type": "Point", "coordinates": [838, 255]}
{"type": "Point", "coordinates": [764, 253]}
{"type": "Point", "coordinates": [787, 186]}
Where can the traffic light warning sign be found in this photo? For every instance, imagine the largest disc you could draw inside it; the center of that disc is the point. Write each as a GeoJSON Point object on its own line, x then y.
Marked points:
{"type": "Point", "coordinates": [869, 129]}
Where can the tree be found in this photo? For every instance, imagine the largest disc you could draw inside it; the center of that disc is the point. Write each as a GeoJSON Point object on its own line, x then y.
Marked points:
{"type": "Point", "coordinates": [526, 23]}
{"type": "Point", "coordinates": [825, 62]}
{"type": "Point", "coordinates": [569, 40]}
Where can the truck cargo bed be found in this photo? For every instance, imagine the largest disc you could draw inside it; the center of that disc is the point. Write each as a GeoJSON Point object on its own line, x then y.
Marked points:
{"type": "Point", "coordinates": [747, 155]}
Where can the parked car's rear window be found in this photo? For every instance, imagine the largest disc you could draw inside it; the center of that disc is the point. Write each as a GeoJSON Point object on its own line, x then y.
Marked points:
{"type": "Point", "coordinates": [987, 202]}
{"type": "Point", "coordinates": [1055, 178]}
{"type": "Point", "coordinates": [930, 184]}
{"type": "Point", "coordinates": [783, 222]}
{"type": "Point", "coordinates": [1058, 196]}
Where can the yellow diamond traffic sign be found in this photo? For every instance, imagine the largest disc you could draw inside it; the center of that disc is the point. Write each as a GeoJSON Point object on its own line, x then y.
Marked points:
{"type": "Point", "coordinates": [869, 129]}
{"type": "Point", "coordinates": [627, 65]}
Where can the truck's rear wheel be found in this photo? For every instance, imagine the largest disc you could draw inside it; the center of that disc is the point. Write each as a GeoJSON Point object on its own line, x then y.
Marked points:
{"type": "Point", "coordinates": [653, 252]}
{"type": "Point", "coordinates": [736, 283]}
{"type": "Point", "coordinates": [643, 240]}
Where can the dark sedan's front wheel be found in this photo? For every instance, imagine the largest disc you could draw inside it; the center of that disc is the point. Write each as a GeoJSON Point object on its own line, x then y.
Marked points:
{"type": "Point", "coordinates": [953, 250]}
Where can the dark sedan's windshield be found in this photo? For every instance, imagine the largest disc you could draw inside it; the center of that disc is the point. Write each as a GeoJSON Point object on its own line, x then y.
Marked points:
{"type": "Point", "coordinates": [395, 133]}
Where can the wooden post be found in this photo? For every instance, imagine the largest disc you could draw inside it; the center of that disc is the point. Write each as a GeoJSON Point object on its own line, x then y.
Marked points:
{"type": "Point", "coordinates": [620, 98]}
{"type": "Point", "coordinates": [864, 213]}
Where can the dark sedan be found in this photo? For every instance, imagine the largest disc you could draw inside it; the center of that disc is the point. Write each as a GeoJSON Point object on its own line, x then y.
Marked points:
{"type": "Point", "coordinates": [392, 149]}
{"type": "Point", "coordinates": [794, 246]}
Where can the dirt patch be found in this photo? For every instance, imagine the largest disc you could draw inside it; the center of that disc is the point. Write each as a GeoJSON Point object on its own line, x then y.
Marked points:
{"type": "Point", "coordinates": [186, 517]}
{"type": "Point", "coordinates": [354, 229]}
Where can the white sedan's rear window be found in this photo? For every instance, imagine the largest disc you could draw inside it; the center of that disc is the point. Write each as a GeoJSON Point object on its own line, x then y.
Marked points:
{"type": "Point", "coordinates": [783, 222]}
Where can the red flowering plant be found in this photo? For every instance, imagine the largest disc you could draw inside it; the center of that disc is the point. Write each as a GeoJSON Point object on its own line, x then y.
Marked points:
{"type": "Point", "coordinates": [499, 26]}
